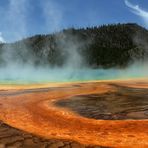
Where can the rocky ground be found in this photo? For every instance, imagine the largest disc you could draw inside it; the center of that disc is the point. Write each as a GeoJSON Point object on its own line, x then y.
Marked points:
{"type": "Point", "coordinates": [14, 138]}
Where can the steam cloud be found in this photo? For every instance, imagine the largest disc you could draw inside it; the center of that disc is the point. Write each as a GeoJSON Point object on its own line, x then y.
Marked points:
{"type": "Point", "coordinates": [2, 40]}
{"type": "Point", "coordinates": [52, 15]}
{"type": "Point", "coordinates": [14, 18]}
{"type": "Point", "coordinates": [15, 71]}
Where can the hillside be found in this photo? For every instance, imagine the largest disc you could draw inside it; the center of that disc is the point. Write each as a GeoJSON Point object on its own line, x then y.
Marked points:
{"type": "Point", "coordinates": [116, 45]}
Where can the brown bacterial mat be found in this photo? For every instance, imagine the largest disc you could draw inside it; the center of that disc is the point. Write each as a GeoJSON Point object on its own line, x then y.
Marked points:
{"type": "Point", "coordinates": [124, 103]}
{"type": "Point", "coordinates": [75, 115]}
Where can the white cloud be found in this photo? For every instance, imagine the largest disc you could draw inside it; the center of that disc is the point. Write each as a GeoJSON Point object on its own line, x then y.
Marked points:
{"type": "Point", "coordinates": [138, 11]}
{"type": "Point", "coordinates": [2, 40]}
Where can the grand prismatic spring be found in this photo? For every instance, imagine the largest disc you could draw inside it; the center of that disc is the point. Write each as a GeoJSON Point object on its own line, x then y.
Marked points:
{"type": "Point", "coordinates": [73, 74]}
{"type": "Point", "coordinates": [103, 113]}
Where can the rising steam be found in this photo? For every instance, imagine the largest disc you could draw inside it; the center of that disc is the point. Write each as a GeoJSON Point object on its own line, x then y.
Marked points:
{"type": "Point", "coordinates": [2, 40]}
{"type": "Point", "coordinates": [18, 67]}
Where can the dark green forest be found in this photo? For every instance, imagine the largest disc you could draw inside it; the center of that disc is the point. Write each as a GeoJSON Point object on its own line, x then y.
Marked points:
{"type": "Point", "coordinates": [115, 45]}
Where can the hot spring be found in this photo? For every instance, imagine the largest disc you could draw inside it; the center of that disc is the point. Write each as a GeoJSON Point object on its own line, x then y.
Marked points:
{"type": "Point", "coordinates": [27, 75]}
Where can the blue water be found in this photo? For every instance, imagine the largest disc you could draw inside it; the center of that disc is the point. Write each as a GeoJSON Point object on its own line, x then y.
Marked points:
{"type": "Point", "coordinates": [26, 76]}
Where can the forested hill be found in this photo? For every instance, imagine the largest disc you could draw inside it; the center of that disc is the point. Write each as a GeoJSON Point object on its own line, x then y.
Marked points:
{"type": "Point", "coordinates": [103, 46]}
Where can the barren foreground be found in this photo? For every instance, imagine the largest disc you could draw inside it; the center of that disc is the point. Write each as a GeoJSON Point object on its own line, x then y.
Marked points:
{"type": "Point", "coordinates": [111, 113]}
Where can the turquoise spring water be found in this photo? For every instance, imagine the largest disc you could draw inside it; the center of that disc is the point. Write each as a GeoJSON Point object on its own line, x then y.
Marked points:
{"type": "Point", "coordinates": [30, 76]}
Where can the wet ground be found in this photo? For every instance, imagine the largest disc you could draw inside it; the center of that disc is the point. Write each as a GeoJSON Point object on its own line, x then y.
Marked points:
{"type": "Point", "coordinates": [124, 103]}
{"type": "Point", "coordinates": [72, 115]}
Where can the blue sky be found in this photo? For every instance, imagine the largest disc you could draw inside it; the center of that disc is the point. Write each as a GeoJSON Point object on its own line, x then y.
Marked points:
{"type": "Point", "coordinates": [22, 18]}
